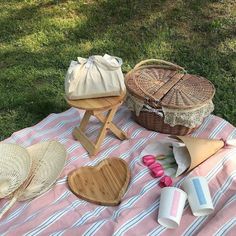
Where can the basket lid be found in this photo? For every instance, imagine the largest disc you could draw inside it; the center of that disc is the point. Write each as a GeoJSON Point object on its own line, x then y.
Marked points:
{"type": "Point", "coordinates": [168, 85]}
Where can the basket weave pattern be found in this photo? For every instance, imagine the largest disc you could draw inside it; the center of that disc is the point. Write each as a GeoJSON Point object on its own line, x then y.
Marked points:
{"type": "Point", "coordinates": [163, 84]}
{"type": "Point", "coordinates": [152, 121]}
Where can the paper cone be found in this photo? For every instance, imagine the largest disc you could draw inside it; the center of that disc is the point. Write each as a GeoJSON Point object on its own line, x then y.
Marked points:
{"type": "Point", "coordinates": [200, 149]}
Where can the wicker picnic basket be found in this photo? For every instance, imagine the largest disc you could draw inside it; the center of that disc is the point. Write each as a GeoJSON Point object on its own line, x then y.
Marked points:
{"type": "Point", "coordinates": [164, 98]}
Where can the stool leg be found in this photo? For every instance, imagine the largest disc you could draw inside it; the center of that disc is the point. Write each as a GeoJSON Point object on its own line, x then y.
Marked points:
{"type": "Point", "coordinates": [78, 130]}
{"type": "Point", "coordinates": [78, 134]}
{"type": "Point", "coordinates": [106, 125]}
{"type": "Point", "coordinates": [85, 120]}
{"type": "Point", "coordinates": [84, 140]}
{"type": "Point", "coordinates": [114, 129]}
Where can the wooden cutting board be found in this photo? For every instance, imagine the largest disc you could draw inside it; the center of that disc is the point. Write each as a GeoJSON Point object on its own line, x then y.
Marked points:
{"type": "Point", "coordinates": [104, 184]}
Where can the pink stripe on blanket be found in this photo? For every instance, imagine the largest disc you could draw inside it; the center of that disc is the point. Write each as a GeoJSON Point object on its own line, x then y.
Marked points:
{"type": "Point", "coordinates": [188, 218]}
{"type": "Point", "coordinates": [139, 134]}
{"type": "Point", "coordinates": [58, 211]}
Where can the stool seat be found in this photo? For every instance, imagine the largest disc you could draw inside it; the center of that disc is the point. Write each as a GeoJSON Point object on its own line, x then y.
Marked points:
{"type": "Point", "coordinates": [96, 104]}
{"type": "Point", "coordinates": [96, 107]}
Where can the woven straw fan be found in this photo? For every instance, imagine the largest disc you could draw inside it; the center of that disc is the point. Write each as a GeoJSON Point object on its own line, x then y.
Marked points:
{"type": "Point", "coordinates": [15, 165]}
{"type": "Point", "coordinates": [48, 159]}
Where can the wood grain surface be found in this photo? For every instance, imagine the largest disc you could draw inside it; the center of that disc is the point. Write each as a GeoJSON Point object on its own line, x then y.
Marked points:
{"type": "Point", "coordinates": [96, 104]}
{"type": "Point", "coordinates": [104, 184]}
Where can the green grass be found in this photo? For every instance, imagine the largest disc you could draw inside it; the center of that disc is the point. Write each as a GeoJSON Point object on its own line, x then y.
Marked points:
{"type": "Point", "coordinates": [39, 38]}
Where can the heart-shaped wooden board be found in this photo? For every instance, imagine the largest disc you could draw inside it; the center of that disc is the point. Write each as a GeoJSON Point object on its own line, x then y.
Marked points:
{"type": "Point", "coordinates": [104, 184]}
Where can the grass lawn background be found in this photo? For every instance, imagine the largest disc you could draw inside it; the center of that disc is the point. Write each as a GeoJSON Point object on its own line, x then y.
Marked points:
{"type": "Point", "coordinates": [39, 38]}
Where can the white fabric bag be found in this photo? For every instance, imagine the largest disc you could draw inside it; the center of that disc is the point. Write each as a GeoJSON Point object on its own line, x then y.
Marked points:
{"type": "Point", "coordinates": [97, 76]}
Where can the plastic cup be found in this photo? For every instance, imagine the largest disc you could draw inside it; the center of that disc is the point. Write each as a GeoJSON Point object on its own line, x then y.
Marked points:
{"type": "Point", "coordinates": [199, 196]}
{"type": "Point", "coordinates": [172, 203]}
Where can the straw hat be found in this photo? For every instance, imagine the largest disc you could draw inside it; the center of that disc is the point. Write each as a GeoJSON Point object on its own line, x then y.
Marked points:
{"type": "Point", "coordinates": [15, 164]}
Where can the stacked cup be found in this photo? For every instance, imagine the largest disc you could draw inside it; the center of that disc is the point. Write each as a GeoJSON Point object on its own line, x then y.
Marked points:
{"type": "Point", "coordinates": [173, 199]}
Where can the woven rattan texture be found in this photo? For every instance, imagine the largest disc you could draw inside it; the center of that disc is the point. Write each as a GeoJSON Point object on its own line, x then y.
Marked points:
{"type": "Point", "coordinates": [152, 121]}
{"type": "Point", "coordinates": [189, 91]}
{"type": "Point", "coordinates": [161, 84]}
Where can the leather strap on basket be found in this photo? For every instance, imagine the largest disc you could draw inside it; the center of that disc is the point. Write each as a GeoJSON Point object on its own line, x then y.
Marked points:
{"type": "Point", "coordinates": [169, 84]}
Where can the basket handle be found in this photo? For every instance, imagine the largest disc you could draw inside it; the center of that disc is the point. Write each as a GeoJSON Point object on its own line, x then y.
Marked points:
{"type": "Point", "coordinates": [159, 61]}
{"type": "Point", "coordinates": [166, 87]}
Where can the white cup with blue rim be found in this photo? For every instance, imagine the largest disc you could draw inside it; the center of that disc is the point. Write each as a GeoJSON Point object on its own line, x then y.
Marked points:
{"type": "Point", "coordinates": [199, 196]}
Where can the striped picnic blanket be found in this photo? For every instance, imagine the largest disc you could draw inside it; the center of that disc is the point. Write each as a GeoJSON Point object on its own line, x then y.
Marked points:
{"type": "Point", "coordinates": [60, 212]}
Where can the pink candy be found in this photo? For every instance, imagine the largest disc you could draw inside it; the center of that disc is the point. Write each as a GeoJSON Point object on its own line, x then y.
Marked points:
{"type": "Point", "coordinates": [165, 181]}
{"type": "Point", "coordinates": [148, 160]}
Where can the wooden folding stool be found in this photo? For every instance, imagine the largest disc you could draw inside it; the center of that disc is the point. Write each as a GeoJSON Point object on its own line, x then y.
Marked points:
{"type": "Point", "coordinates": [96, 107]}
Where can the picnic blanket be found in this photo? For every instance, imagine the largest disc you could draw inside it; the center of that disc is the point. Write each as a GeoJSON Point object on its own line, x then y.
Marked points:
{"type": "Point", "coordinates": [60, 212]}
